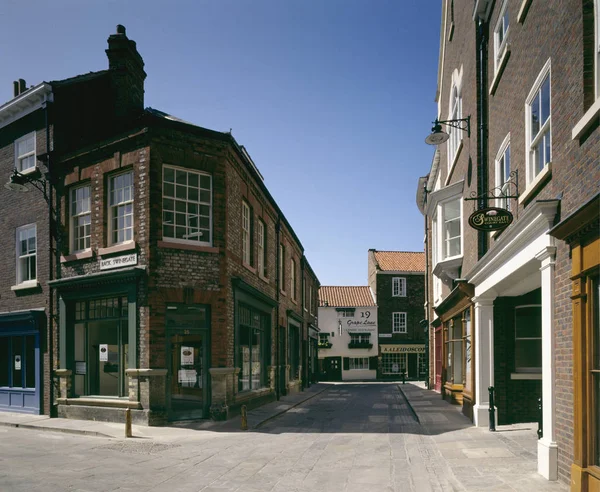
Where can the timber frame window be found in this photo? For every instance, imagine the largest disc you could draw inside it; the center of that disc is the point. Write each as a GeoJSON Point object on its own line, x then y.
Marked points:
{"type": "Point", "coordinates": [246, 234]}
{"type": "Point", "coordinates": [262, 248]}
{"type": "Point", "coordinates": [293, 280]}
{"type": "Point", "coordinates": [399, 323]}
{"type": "Point", "coordinates": [528, 338]}
{"type": "Point", "coordinates": [398, 287]}
{"type": "Point", "coordinates": [455, 133]}
{"type": "Point", "coordinates": [187, 206]}
{"type": "Point", "coordinates": [345, 312]}
{"type": "Point", "coordinates": [251, 347]}
{"type": "Point", "coordinates": [503, 174]}
{"type": "Point", "coordinates": [120, 208]}
{"type": "Point", "coordinates": [455, 340]}
{"type": "Point", "coordinates": [282, 267]}
{"type": "Point", "coordinates": [538, 130]}
{"type": "Point", "coordinates": [81, 219]}
{"type": "Point", "coordinates": [25, 153]}
{"type": "Point", "coordinates": [356, 363]}
{"type": "Point", "coordinates": [501, 35]}
{"type": "Point", "coordinates": [26, 254]}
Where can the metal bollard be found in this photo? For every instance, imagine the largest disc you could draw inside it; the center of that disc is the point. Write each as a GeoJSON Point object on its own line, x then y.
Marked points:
{"type": "Point", "coordinates": [244, 425]}
{"type": "Point", "coordinates": [128, 432]}
{"type": "Point", "coordinates": [492, 410]}
{"type": "Point", "coordinates": [403, 378]}
{"type": "Point", "coordinates": [540, 431]}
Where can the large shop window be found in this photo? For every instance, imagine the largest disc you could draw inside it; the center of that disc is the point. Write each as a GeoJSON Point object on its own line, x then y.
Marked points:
{"type": "Point", "coordinates": [187, 206]}
{"type": "Point", "coordinates": [101, 347]}
{"type": "Point", "coordinates": [595, 367]}
{"type": "Point", "coordinates": [454, 349]}
{"type": "Point", "coordinates": [294, 351]}
{"type": "Point", "coordinates": [393, 363]}
{"type": "Point", "coordinates": [252, 340]}
{"type": "Point", "coordinates": [528, 338]}
{"type": "Point", "coordinates": [17, 361]}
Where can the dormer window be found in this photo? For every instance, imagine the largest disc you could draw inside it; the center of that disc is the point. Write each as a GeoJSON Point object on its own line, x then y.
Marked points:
{"type": "Point", "coordinates": [25, 153]}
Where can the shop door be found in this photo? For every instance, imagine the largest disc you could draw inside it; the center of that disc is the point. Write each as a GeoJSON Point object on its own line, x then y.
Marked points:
{"type": "Point", "coordinates": [19, 373]}
{"type": "Point", "coordinates": [333, 368]}
{"type": "Point", "coordinates": [281, 361]}
{"type": "Point", "coordinates": [438, 359]}
{"type": "Point", "coordinates": [412, 367]}
{"type": "Point", "coordinates": [188, 377]}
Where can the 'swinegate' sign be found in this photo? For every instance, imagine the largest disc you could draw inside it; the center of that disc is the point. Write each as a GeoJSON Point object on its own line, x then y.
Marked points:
{"type": "Point", "coordinates": [490, 219]}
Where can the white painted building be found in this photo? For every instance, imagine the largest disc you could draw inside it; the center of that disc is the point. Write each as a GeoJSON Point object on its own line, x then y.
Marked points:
{"type": "Point", "coordinates": [348, 346]}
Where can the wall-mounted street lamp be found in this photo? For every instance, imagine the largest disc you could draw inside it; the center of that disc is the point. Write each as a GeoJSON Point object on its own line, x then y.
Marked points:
{"type": "Point", "coordinates": [18, 180]}
{"type": "Point", "coordinates": [438, 136]}
{"type": "Point", "coordinates": [340, 327]}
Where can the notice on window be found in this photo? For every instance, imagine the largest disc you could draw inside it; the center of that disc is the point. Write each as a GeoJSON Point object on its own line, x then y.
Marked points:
{"type": "Point", "coordinates": [80, 367]}
{"type": "Point", "coordinates": [17, 362]}
{"type": "Point", "coordinates": [187, 356]}
{"type": "Point", "coordinates": [395, 368]}
{"type": "Point", "coordinates": [187, 376]}
{"type": "Point", "coordinates": [103, 352]}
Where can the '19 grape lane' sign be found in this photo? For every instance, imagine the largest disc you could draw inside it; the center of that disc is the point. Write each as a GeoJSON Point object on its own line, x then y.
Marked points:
{"type": "Point", "coordinates": [490, 219]}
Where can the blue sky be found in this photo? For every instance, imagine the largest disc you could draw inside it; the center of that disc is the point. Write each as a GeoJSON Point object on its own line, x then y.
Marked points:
{"type": "Point", "coordinates": [331, 98]}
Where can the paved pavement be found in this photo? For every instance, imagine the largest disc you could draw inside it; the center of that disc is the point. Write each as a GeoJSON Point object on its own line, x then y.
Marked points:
{"type": "Point", "coordinates": [340, 438]}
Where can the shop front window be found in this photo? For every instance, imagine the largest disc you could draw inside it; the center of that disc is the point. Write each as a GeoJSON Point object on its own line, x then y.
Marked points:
{"type": "Point", "coordinates": [251, 351]}
{"type": "Point", "coordinates": [101, 347]}
{"type": "Point", "coordinates": [595, 369]}
{"type": "Point", "coordinates": [528, 338]}
{"type": "Point", "coordinates": [454, 349]}
{"type": "Point", "coordinates": [294, 351]}
{"type": "Point", "coordinates": [393, 363]}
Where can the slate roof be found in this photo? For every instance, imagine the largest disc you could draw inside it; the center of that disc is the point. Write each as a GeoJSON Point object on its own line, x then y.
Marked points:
{"type": "Point", "coordinates": [400, 261]}
{"type": "Point", "coordinates": [345, 296]}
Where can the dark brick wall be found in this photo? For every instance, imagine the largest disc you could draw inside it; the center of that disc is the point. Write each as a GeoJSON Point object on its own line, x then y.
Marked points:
{"type": "Point", "coordinates": [412, 305]}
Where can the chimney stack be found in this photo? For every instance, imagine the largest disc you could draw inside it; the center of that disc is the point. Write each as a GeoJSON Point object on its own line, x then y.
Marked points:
{"type": "Point", "coordinates": [15, 88]}
{"type": "Point", "coordinates": [127, 70]}
{"type": "Point", "coordinates": [22, 86]}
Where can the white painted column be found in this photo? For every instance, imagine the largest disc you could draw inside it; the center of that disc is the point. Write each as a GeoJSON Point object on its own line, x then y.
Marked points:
{"type": "Point", "coordinates": [547, 448]}
{"type": "Point", "coordinates": [484, 357]}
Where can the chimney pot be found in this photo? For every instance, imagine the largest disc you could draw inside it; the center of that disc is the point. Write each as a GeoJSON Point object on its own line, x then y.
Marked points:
{"type": "Point", "coordinates": [120, 29]}
{"type": "Point", "coordinates": [15, 88]}
{"type": "Point", "coordinates": [22, 86]}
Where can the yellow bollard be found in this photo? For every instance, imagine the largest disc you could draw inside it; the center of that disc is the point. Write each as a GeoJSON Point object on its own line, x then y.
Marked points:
{"type": "Point", "coordinates": [128, 432]}
{"type": "Point", "coordinates": [244, 418]}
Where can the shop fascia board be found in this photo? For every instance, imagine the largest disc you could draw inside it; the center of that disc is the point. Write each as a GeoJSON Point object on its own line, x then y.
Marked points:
{"type": "Point", "coordinates": [518, 245]}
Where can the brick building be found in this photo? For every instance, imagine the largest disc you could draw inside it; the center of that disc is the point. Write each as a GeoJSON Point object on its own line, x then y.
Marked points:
{"type": "Point", "coordinates": [512, 308]}
{"type": "Point", "coordinates": [397, 280]}
{"type": "Point", "coordinates": [348, 348]}
{"type": "Point", "coordinates": [182, 290]}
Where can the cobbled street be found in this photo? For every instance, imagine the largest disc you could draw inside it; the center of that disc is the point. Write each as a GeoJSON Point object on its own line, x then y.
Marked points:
{"type": "Point", "coordinates": [360, 437]}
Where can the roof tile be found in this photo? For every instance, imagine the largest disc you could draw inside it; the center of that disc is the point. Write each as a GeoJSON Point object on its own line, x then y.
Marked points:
{"type": "Point", "coordinates": [345, 296]}
{"type": "Point", "coordinates": [401, 261]}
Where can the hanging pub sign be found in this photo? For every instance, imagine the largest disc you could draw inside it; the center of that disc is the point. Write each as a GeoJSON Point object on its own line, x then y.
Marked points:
{"type": "Point", "coordinates": [490, 219]}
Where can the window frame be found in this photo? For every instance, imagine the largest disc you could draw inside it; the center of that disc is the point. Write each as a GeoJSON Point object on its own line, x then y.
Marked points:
{"type": "Point", "coordinates": [364, 363]}
{"type": "Point", "coordinates": [282, 267]}
{"type": "Point", "coordinates": [502, 177]}
{"type": "Point", "coordinates": [443, 224]}
{"type": "Point", "coordinates": [261, 244]}
{"type": "Point", "coordinates": [199, 203]}
{"type": "Point", "coordinates": [399, 287]}
{"type": "Point", "coordinates": [402, 327]}
{"type": "Point", "coordinates": [112, 208]}
{"type": "Point", "coordinates": [293, 280]}
{"type": "Point", "coordinates": [26, 257]}
{"type": "Point", "coordinates": [73, 217]}
{"type": "Point", "coordinates": [20, 157]}
{"type": "Point", "coordinates": [545, 128]}
{"type": "Point", "coordinates": [455, 134]}
{"type": "Point", "coordinates": [527, 369]}
{"type": "Point", "coordinates": [502, 25]}
{"type": "Point", "coordinates": [246, 233]}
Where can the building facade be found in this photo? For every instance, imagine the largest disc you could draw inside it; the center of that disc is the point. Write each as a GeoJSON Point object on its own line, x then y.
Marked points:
{"type": "Point", "coordinates": [512, 306]}
{"type": "Point", "coordinates": [397, 280]}
{"type": "Point", "coordinates": [181, 291]}
{"type": "Point", "coordinates": [348, 338]}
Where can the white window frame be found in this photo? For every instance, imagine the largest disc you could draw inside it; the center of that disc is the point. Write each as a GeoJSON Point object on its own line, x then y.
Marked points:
{"type": "Point", "coordinates": [358, 363]}
{"type": "Point", "coordinates": [531, 141]}
{"type": "Point", "coordinates": [31, 277]}
{"type": "Point", "coordinates": [260, 242]}
{"type": "Point", "coordinates": [80, 210]}
{"type": "Point", "coordinates": [293, 279]}
{"type": "Point", "coordinates": [25, 156]}
{"type": "Point", "coordinates": [502, 177]}
{"type": "Point", "coordinates": [345, 313]}
{"type": "Point", "coordinates": [281, 267]}
{"type": "Point", "coordinates": [246, 246]}
{"type": "Point", "coordinates": [398, 287]}
{"type": "Point", "coordinates": [455, 113]}
{"type": "Point", "coordinates": [113, 208]}
{"type": "Point", "coordinates": [399, 323]}
{"type": "Point", "coordinates": [195, 238]}
{"type": "Point", "coordinates": [442, 224]}
{"type": "Point", "coordinates": [502, 29]}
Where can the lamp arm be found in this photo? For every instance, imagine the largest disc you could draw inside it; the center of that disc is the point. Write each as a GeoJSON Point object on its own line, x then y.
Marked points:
{"type": "Point", "coordinates": [458, 124]}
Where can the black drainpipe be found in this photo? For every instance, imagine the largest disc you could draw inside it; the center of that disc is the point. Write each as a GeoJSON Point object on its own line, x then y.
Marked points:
{"type": "Point", "coordinates": [482, 124]}
{"type": "Point", "coordinates": [277, 261]}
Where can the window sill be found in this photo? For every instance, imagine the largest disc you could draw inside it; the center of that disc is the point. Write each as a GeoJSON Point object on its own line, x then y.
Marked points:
{"type": "Point", "coordinates": [263, 278]}
{"type": "Point", "coordinates": [248, 267]}
{"type": "Point", "coordinates": [536, 184]}
{"type": "Point", "coordinates": [526, 375]}
{"type": "Point", "coordinates": [590, 116]}
{"type": "Point", "coordinates": [500, 71]}
{"type": "Point", "coordinates": [447, 270]}
{"type": "Point", "coordinates": [30, 284]}
{"type": "Point", "coordinates": [189, 247]}
{"type": "Point", "coordinates": [523, 11]}
{"type": "Point", "coordinates": [82, 255]}
{"type": "Point", "coordinates": [117, 248]}
{"type": "Point", "coordinates": [454, 161]}
{"type": "Point", "coordinates": [451, 31]}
